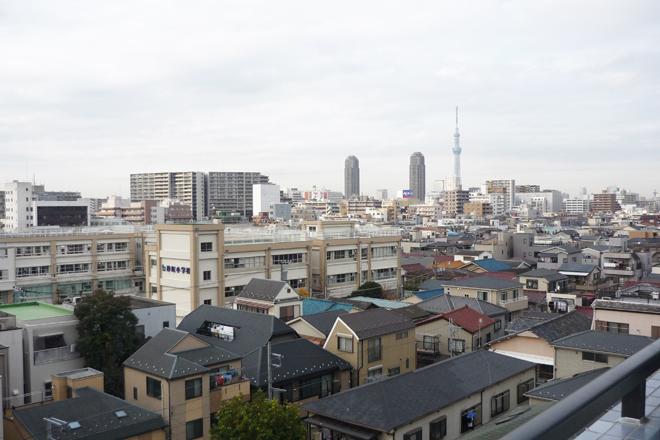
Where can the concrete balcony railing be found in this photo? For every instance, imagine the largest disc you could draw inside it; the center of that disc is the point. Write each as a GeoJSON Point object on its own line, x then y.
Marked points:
{"type": "Point", "coordinates": [513, 304]}
{"type": "Point", "coordinates": [239, 386]}
{"type": "Point", "coordinates": [58, 354]}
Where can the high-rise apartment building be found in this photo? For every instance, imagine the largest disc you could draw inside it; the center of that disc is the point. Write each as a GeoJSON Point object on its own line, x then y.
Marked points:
{"type": "Point", "coordinates": [231, 192]}
{"type": "Point", "coordinates": [507, 188]}
{"type": "Point", "coordinates": [188, 187]}
{"type": "Point", "coordinates": [264, 196]}
{"type": "Point", "coordinates": [576, 206]}
{"type": "Point", "coordinates": [18, 205]}
{"type": "Point", "coordinates": [351, 177]}
{"type": "Point", "coordinates": [418, 176]}
{"type": "Point", "coordinates": [605, 202]}
{"type": "Point", "coordinates": [455, 200]}
{"type": "Point", "coordinates": [528, 188]}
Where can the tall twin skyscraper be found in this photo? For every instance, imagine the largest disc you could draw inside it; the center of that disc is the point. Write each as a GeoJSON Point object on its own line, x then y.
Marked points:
{"type": "Point", "coordinates": [417, 171]}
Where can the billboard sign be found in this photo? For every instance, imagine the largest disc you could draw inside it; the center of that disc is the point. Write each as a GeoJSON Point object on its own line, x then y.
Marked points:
{"type": "Point", "coordinates": [407, 194]}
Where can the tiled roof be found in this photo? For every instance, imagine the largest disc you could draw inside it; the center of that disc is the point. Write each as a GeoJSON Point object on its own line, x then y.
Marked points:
{"type": "Point", "coordinates": [605, 342]}
{"type": "Point", "coordinates": [577, 268]}
{"type": "Point", "coordinates": [627, 306]}
{"type": "Point", "coordinates": [376, 322]}
{"type": "Point", "coordinates": [399, 400]}
{"type": "Point", "coordinates": [382, 303]}
{"type": "Point", "coordinates": [313, 305]}
{"type": "Point", "coordinates": [428, 294]}
{"type": "Point", "coordinates": [323, 321]}
{"type": "Point", "coordinates": [265, 290]}
{"type": "Point", "coordinates": [557, 389]}
{"type": "Point", "coordinates": [549, 327]}
{"type": "Point", "coordinates": [446, 303]}
{"type": "Point", "coordinates": [468, 319]}
{"type": "Point", "coordinates": [95, 411]}
{"type": "Point", "coordinates": [492, 265]}
{"type": "Point", "coordinates": [483, 282]}
{"type": "Point", "coordinates": [300, 358]}
{"type": "Point", "coordinates": [546, 274]}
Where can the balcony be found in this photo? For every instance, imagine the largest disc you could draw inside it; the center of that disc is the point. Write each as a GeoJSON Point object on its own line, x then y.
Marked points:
{"type": "Point", "coordinates": [514, 304]}
{"type": "Point", "coordinates": [238, 386]}
{"type": "Point", "coordinates": [589, 413]}
{"type": "Point", "coordinates": [58, 354]}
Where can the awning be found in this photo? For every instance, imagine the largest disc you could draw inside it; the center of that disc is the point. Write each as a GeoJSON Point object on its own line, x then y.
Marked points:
{"type": "Point", "coordinates": [527, 357]}
{"type": "Point", "coordinates": [335, 425]}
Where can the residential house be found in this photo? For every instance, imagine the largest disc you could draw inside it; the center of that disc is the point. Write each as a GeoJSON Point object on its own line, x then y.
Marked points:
{"type": "Point", "coordinates": [486, 265]}
{"type": "Point", "coordinates": [557, 292]}
{"type": "Point", "coordinates": [316, 327]}
{"type": "Point", "coordinates": [553, 257]}
{"type": "Point", "coordinates": [185, 378]}
{"type": "Point", "coordinates": [49, 346]}
{"type": "Point", "coordinates": [591, 349]}
{"type": "Point", "coordinates": [89, 413]}
{"type": "Point", "coordinates": [311, 306]}
{"type": "Point", "coordinates": [471, 255]}
{"type": "Point", "coordinates": [532, 340]}
{"type": "Point", "coordinates": [585, 277]}
{"type": "Point", "coordinates": [418, 405]}
{"type": "Point", "coordinates": [301, 370]}
{"type": "Point", "coordinates": [635, 316]}
{"type": "Point", "coordinates": [501, 292]}
{"type": "Point", "coordinates": [270, 297]}
{"type": "Point", "coordinates": [622, 265]}
{"type": "Point", "coordinates": [447, 303]}
{"type": "Point", "coordinates": [557, 389]}
{"type": "Point", "coordinates": [452, 333]}
{"type": "Point", "coordinates": [423, 295]}
{"type": "Point", "coordinates": [376, 343]}
{"type": "Point", "coordinates": [152, 315]}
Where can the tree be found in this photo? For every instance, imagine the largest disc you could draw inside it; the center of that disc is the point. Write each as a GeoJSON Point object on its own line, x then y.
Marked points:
{"type": "Point", "coordinates": [369, 288]}
{"type": "Point", "coordinates": [106, 336]}
{"type": "Point", "coordinates": [258, 419]}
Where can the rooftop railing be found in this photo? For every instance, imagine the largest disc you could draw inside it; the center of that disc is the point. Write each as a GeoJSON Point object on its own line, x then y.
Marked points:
{"type": "Point", "coordinates": [626, 383]}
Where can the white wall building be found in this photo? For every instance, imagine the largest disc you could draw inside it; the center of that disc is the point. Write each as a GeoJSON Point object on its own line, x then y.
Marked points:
{"type": "Point", "coordinates": [18, 206]}
{"type": "Point", "coordinates": [544, 202]}
{"type": "Point", "coordinates": [576, 206]}
{"type": "Point", "coordinates": [263, 196]}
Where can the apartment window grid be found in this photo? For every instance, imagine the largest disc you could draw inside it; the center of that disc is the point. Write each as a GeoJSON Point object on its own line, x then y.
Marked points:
{"type": "Point", "coordinates": [383, 251]}
{"type": "Point", "coordinates": [296, 258]}
{"type": "Point", "coordinates": [73, 268]}
{"type": "Point", "coordinates": [364, 253]}
{"type": "Point", "coordinates": [29, 251]}
{"type": "Point", "coordinates": [340, 255]}
{"type": "Point", "coordinates": [381, 274]}
{"type": "Point", "coordinates": [111, 247]}
{"type": "Point", "coordinates": [245, 262]}
{"type": "Point", "coordinates": [341, 278]}
{"type": "Point", "coordinates": [206, 275]}
{"type": "Point", "coordinates": [206, 246]}
{"type": "Point", "coordinates": [108, 266]}
{"type": "Point", "coordinates": [374, 349]}
{"type": "Point", "coordinates": [33, 271]}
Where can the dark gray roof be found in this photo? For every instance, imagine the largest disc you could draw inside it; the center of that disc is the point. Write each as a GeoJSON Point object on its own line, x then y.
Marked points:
{"type": "Point", "coordinates": [605, 342]}
{"type": "Point", "coordinates": [556, 390]}
{"type": "Point", "coordinates": [565, 249]}
{"type": "Point", "coordinates": [562, 325]}
{"type": "Point", "coordinates": [265, 290]}
{"type": "Point", "coordinates": [300, 358]}
{"type": "Point", "coordinates": [413, 312]}
{"type": "Point", "coordinates": [433, 284]}
{"type": "Point", "coordinates": [527, 320]}
{"type": "Point", "coordinates": [628, 306]}
{"type": "Point", "coordinates": [153, 356]}
{"type": "Point", "coordinates": [376, 322]}
{"type": "Point", "coordinates": [447, 303]}
{"type": "Point", "coordinates": [252, 329]}
{"type": "Point", "coordinates": [576, 267]}
{"type": "Point", "coordinates": [396, 401]}
{"type": "Point", "coordinates": [483, 282]}
{"type": "Point", "coordinates": [546, 274]}
{"type": "Point", "coordinates": [94, 410]}
{"type": "Point", "coordinates": [323, 321]}
{"type": "Point", "coordinates": [140, 302]}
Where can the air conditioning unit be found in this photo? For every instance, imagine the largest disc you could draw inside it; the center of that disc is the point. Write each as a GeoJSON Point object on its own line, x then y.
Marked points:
{"type": "Point", "coordinates": [655, 295]}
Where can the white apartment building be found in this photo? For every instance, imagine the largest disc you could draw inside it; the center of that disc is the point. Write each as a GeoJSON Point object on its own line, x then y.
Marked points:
{"type": "Point", "coordinates": [18, 206]}
{"type": "Point", "coordinates": [505, 188]}
{"type": "Point", "coordinates": [191, 265]}
{"type": "Point", "coordinates": [53, 265]}
{"type": "Point", "coordinates": [264, 195]}
{"type": "Point", "coordinates": [543, 202]}
{"type": "Point", "coordinates": [189, 187]}
{"type": "Point", "coordinates": [345, 256]}
{"type": "Point", "coordinates": [576, 206]}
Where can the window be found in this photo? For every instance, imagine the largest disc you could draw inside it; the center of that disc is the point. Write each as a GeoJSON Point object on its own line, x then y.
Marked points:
{"type": "Point", "coordinates": [287, 313]}
{"type": "Point", "coordinates": [470, 418]}
{"type": "Point", "coordinates": [139, 332]}
{"type": "Point", "coordinates": [499, 403]}
{"type": "Point", "coordinates": [502, 296]}
{"type": "Point", "coordinates": [374, 374]}
{"type": "Point", "coordinates": [413, 435]}
{"type": "Point", "coordinates": [374, 352]}
{"type": "Point", "coordinates": [194, 429]}
{"type": "Point", "coordinates": [153, 388]}
{"type": "Point", "coordinates": [655, 331]}
{"type": "Point", "coordinates": [207, 247]}
{"type": "Point", "coordinates": [393, 371]}
{"type": "Point", "coordinates": [438, 429]}
{"type": "Point", "coordinates": [532, 284]}
{"type": "Point", "coordinates": [207, 275]}
{"type": "Point", "coordinates": [288, 259]}
{"type": "Point", "coordinates": [310, 388]}
{"type": "Point", "coordinates": [483, 296]}
{"type": "Point", "coordinates": [457, 346]}
{"type": "Point", "coordinates": [402, 335]}
{"type": "Point", "coordinates": [49, 341]}
{"type": "Point", "coordinates": [135, 393]}
{"type": "Point", "coordinates": [431, 343]}
{"type": "Point", "coordinates": [594, 357]}
{"type": "Point", "coordinates": [523, 388]}
{"type": "Point", "coordinates": [364, 253]}
{"type": "Point", "coordinates": [207, 302]}
{"type": "Point", "coordinates": [612, 327]}
{"type": "Point", "coordinates": [48, 390]}
{"type": "Point", "coordinates": [193, 388]}
{"type": "Point", "coordinates": [407, 363]}
{"type": "Point", "coordinates": [345, 344]}
{"type": "Point", "coordinates": [166, 324]}
{"type": "Point", "coordinates": [498, 325]}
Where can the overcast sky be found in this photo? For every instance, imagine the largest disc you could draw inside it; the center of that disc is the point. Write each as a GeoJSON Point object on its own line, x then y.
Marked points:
{"type": "Point", "coordinates": [563, 94]}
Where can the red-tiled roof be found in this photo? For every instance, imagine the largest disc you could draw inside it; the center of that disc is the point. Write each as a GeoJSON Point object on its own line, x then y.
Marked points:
{"type": "Point", "coordinates": [414, 267]}
{"type": "Point", "coordinates": [468, 319]}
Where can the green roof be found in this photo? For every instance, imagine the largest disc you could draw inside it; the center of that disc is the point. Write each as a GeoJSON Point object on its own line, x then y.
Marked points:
{"type": "Point", "coordinates": [29, 311]}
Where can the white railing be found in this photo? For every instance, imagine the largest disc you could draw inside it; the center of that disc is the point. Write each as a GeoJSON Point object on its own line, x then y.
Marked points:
{"type": "Point", "coordinates": [55, 354]}
{"type": "Point", "coordinates": [513, 300]}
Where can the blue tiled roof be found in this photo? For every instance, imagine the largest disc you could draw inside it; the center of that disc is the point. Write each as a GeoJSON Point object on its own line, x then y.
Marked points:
{"type": "Point", "coordinates": [311, 306]}
{"type": "Point", "coordinates": [428, 294]}
{"type": "Point", "coordinates": [492, 265]}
